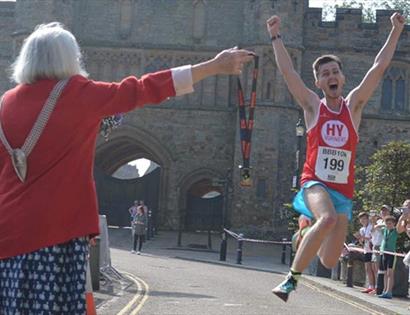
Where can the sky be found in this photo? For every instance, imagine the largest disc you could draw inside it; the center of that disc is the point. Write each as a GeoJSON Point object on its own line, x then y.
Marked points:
{"type": "Point", "coordinates": [142, 165]}
{"type": "Point", "coordinates": [319, 3]}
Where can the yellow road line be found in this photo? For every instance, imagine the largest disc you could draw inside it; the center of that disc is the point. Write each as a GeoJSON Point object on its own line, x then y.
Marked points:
{"type": "Point", "coordinates": [337, 297]}
{"type": "Point", "coordinates": [141, 292]}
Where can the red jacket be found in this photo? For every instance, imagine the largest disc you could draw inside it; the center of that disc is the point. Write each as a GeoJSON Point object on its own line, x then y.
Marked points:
{"type": "Point", "coordinates": [58, 200]}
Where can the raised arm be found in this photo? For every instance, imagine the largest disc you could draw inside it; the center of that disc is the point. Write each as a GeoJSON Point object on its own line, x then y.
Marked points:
{"type": "Point", "coordinates": [359, 96]}
{"type": "Point", "coordinates": [402, 223]}
{"type": "Point", "coordinates": [104, 99]}
{"type": "Point", "coordinates": [305, 97]}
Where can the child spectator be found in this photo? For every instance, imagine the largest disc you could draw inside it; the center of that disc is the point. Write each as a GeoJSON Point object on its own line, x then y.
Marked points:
{"type": "Point", "coordinates": [365, 237]}
{"type": "Point", "coordinates": [377, 238]}
{"type": "Point", "coordinates": [388, 244]}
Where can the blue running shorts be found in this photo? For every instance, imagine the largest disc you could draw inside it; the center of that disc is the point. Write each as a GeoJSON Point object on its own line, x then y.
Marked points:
{"type": "Point", "coordinates": [342, 204]}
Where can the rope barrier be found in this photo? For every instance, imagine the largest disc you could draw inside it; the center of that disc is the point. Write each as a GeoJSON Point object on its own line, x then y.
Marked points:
{"type": "Point", "coordinates": [251, 240]}
{"type": "Point", "coordinates": [381, 252]}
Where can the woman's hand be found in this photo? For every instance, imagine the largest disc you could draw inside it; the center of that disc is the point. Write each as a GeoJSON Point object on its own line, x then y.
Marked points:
{"type": "Point", "coordinates": [229, 62]}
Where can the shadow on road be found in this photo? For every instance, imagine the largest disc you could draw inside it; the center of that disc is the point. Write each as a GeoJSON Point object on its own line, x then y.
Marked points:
{"type": "Point", "coordinates": [180, 295]}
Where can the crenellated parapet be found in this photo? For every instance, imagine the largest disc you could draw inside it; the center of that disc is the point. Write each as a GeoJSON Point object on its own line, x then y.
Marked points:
{"type": "Point", "coordinates": [349, 31]}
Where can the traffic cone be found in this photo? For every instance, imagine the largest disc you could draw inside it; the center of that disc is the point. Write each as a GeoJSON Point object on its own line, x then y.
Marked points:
{"type": "Point", "coordinates": [89, 298]}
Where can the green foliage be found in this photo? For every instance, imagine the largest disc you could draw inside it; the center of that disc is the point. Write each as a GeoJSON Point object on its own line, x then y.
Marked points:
{"type": "Point", "coordinates": [293, 217]}
{"type": "Point", "coordinates": [368, 8]}
{"type": "Point", "coordinates": [386, 180]}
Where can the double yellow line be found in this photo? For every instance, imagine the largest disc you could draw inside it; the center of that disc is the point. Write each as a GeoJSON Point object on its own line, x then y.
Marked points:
{"type": "Point", "coordinates": [140, 298]}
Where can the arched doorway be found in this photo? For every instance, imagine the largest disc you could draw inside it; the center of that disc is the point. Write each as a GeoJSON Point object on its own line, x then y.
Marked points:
{"type": "Point", "coordinates": [204, 207]}
{"type": "Point", "coordinates": [201, 201]}
{"type": "Point", "coordinates": [115, 195]}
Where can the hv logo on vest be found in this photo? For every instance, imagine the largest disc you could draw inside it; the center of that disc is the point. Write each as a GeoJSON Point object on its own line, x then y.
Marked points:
{"type": "Point", "coordinates": [335, 133]}
{"type": "Point", "coordinates": [332, 163]}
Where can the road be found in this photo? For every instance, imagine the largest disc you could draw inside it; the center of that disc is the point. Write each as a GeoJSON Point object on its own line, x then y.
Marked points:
{"type": "Point", "coordinates": [182, 287]}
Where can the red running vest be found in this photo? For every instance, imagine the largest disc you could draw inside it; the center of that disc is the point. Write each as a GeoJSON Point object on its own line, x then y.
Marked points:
{"type": "Point", "coordinates": [331, 150]}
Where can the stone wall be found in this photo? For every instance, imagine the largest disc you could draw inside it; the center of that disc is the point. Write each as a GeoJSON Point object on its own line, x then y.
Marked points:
{"type": "Point", "coordinates": [196, 136]}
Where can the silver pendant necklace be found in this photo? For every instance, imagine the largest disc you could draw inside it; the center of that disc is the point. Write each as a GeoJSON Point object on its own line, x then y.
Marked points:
{"type": "Point", "coordinates": [19, 156]}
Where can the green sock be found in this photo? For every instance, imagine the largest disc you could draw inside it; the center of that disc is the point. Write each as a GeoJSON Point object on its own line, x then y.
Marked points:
{"type": "Point", "coordinates": [295, 275]}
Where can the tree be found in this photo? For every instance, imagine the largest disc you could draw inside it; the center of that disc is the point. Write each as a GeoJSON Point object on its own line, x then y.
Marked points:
{"type": "Point", "coordinates": [368, 8]}
{"type": "Point", "coordinates": [386, 180]}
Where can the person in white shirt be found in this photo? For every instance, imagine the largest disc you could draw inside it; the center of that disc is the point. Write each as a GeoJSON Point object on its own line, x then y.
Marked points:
{"type": "Point", "coordinates": [365, 236]}
{"type": "Point", "coordinates": [376, 239]}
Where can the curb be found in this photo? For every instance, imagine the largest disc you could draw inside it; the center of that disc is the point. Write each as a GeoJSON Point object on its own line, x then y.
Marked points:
{"type": "Point", "coordinates": [368, 306]}
{"type": "Point", "coordinates": [309, 282]}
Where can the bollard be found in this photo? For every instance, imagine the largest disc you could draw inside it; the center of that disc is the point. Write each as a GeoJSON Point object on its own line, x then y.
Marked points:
{"type": "Point", "coordinates": [284, 251]}
{"type": "Point", "coordinates": [148, 235]}
{"type": "Point", "coordinates": [291, 255]}
{"type": "Point", "coordinates": [222, 252]}
{"type": "Point", "coordinates": [239, 250]}
{"type": "Point", "coordinates": [209, 239]}
{"type": "Point", "coordinates": [151, 224]}
{"type": "Point", "coordinates": [349, 280]}
{"type": "Point", "coordinates": [335, 271]}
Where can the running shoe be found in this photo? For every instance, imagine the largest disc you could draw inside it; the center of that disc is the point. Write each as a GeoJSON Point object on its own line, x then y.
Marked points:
{"type": "Point", "coordinates": [282, 290]}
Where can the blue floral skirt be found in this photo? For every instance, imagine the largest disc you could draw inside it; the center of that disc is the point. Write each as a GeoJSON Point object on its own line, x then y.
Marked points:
{"type": "Point", "coordinates": [48, 281]}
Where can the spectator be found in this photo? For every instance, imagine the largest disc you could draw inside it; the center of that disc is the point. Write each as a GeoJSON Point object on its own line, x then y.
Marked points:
{"type": "Point", "coordinates": [388, 244]}
{"type": "Point", "coordinates": [133, 209]}
{"type": "Point", "coordinates": [404, 219]}
{"type": "Point", "coordinates": [142, 203]}
{"type": "Point", "coordinates": [377, 238]}
{"type": "Point", "coordinates": [384, 212]}
{"type": "Point", "coordinates": [404, 226]}
{"type": "Point", "coordinates": [139, 225]}
{"type": "Point", "coordinates": [365, 236]}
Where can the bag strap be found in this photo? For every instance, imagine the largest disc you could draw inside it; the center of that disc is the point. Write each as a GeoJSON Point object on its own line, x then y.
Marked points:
{"type": "Point", "coordinates": [40, 123]}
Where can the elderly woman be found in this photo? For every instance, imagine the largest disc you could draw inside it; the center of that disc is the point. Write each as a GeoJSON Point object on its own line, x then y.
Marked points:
{"type": "Point", "coordinates": [48, 128]}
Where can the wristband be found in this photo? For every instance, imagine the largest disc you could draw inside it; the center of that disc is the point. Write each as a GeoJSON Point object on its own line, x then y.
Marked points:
{"type": "Point", "coordinates": [273, 38]}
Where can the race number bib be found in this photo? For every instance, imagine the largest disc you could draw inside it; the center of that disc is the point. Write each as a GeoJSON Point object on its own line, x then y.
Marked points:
{"type": "Point", "coordinates": [332, 165]}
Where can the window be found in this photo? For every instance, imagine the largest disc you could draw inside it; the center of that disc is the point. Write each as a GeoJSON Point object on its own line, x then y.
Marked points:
{"type": "Point", "coordinates": [399, 99]}
{"type": "Point", "coordinates": [387, 94]}
{"type": "Point", "coordinates": [394, 96]}
{"type": "Point", "coordinates": [199, 18]}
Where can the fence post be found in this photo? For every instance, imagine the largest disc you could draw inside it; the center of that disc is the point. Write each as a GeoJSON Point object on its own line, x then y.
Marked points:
{"type": "Point", "coordinates": [209, 239]}
{"type": "Point", "coordinates": [239, 250]}
{"type": "Point", "coordinates": [222, 252]}
{"type": "Point", "coordinates": [284, 251]}
{"type": "Point", "coordinates": [335, 271]}
{"type": "Point", "coordinates": [148, 234]}
{"type": "Point", "coordinates": [151, 224]}
{"type": "Point", "coordinates": [349, 280]}
{"type": "Point", "coordinates": [291, 255]}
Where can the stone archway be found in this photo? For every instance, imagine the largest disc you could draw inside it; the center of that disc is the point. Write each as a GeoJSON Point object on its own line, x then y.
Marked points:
{"type": "Point", "coordinates": [129, 143]}
{"type": "Point", "coordinates": [191, 188]}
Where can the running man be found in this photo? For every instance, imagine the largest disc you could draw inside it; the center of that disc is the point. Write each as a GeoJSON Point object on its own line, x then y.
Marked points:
{"type": "Point", "coordinates": [332, 123]}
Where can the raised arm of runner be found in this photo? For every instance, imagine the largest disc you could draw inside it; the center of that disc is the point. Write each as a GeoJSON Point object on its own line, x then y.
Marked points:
{"type": "Point", "coordinates": [359, 96]}
{"type": "Point", "coordinates": [305, 97]}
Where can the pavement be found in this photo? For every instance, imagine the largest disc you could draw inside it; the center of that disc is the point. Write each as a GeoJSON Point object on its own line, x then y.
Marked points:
{"type": "Point", "coordinates": [115, 297]}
